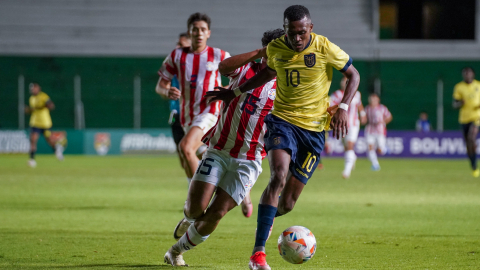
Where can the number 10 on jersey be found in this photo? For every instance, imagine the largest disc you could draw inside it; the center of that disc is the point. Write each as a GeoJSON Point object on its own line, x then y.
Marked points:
{"type": "Point", "coordinates": [293, 77]}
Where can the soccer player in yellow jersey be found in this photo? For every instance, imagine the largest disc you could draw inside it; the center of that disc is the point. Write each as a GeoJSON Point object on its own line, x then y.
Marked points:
{"type": "Point", "coordinates": [466, 97]}
{"type": "Point", "coordinates": [39, 107]}
{"type": "Point", "coordinates": [302, 61]}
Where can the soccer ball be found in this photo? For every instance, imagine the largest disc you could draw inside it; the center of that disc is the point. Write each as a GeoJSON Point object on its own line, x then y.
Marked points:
{"type": "Point", "coordinates": [297, 244]}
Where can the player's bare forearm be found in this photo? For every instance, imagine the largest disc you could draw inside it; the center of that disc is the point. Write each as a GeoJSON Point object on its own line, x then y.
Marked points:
{"type": "Point", "coordinates": [388, 120]}
{"type": "Point", "coordinates": [50, 105]}
{"type": "Point", "coordinates": [230, 64]}
{"type": "Point", "coordinates": [265, 75]}
{"type": "Point", "coordinates": [353, 81]}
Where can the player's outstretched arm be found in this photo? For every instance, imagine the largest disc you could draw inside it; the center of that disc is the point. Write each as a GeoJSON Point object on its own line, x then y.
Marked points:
{"type": "Point", "coordinates": [226, 95]}
{"type": "Point", "coordinates": [340, 118]}
{"type": "Point", "coordinates": [230, 64]}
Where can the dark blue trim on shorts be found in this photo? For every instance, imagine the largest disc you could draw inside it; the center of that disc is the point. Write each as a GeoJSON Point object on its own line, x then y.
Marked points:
{"type": "Point", "coordinates": [39, 130]}
{"type": "Point", "coordinates": [347, 65]}
{"type": "Point", "coordinates": [304, 146]}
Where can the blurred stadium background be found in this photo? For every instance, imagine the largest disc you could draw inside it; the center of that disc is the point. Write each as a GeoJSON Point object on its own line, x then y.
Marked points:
{"type": "Point", "coordinates": [98, 60]}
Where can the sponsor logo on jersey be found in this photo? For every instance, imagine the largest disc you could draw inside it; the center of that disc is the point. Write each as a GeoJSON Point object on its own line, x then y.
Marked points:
{"type": "Point", "coordinates": [281, 60]}
{"type": "Point", "coordinates": [309, 60]}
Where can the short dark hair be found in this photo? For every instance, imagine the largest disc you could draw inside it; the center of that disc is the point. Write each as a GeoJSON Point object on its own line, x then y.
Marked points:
{"type": "Point", "coordinates": [374, 94]}
{"type": "Point", "coordinates": [195, 17]}
{"type": "Point", "coordinates": [467, 68]}
{"type": "Point", "coordinates": [184, 34]}
{"type": "Point", "coordinates": [296, 13]}
{"type": "Point", "coordinates": [271, 35]}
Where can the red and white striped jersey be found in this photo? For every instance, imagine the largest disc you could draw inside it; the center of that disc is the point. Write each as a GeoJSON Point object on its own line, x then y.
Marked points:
{"type": "Point", "coordinates": [376, 119]}
{"type": "Point", "coordinates": [240, 131]}
{"type": "Point", "coordinates": [197, 73]}
{"type": "Point", "coordinates": [336, 99]}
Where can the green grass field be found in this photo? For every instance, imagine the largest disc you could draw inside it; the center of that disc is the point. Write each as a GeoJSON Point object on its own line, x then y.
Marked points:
{"type": "Point", "coordinates": [119, 213]}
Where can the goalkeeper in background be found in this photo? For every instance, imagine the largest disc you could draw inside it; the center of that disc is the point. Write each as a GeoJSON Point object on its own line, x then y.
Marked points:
{"type": "Point", "coordinates": [39, 107]}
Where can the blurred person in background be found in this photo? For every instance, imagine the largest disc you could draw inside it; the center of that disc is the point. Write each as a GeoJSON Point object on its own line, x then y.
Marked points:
{"type": "Point", "coordinates": [423, 124]}
{"type": "Point", "coordinates": [39, 107]}
{"type": "Point", "coordinates": [466, 97]}
{"type": "Point", "coordinates": [378, 116]}
{"type": "Point", "coordinates": [356, 115]}
{"type": "Point", "coordinates": [174, 119]}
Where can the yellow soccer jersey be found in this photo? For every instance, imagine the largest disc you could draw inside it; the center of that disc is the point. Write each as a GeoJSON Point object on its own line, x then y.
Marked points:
{"type": "Point", "coordinates": [470, 95]}
{"type": "Point", "coordinates": [40, 117]}
{"type": "Point", "coordinates": [303, 80]}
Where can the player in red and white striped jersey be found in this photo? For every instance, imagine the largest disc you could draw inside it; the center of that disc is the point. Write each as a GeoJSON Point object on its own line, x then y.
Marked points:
{"type": "Point", "coordinates": [354, 110]}
{"type": "Point", "coordinates": [376, 130]}
{"type": "Point", "coordinates": [197, 71]}
{"type": "Point", "coordinates": [232, 162]}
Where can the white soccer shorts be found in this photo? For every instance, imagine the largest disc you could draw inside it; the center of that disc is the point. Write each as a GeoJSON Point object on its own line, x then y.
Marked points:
{"type": "Point", "coordinates": [235, 176]}
{"type": "Point", "coordinates": [352, 135]}
{"type": "Point", "coordinates": [204, 121]}
{"type": "Point", "coordinates": [379, 141]}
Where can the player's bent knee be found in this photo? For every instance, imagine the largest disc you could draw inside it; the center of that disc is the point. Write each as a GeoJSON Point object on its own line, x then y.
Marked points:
{"type": "Point", "coordinates": [286, 207]}
{"type": "Point", "coordinates": [193, 211]}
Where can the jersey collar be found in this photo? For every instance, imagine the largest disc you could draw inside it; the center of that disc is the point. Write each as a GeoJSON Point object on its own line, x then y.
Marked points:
{"type": "Point", "coordinates": [290, 47]}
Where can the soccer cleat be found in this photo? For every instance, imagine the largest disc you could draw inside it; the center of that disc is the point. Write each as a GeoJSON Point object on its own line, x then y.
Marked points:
{"type": "Point", "coordinates": [247, 207]}
{"type": "Point", "coordinates": [59, 152]}
{"type": "Point", "coordinates": [345, 175]}
{"type": "Point", "coordinates": [375, 168]}
{"type": "Point", "coordinates": [181, 228]}
{"type": "Point", "coordinates": [174, 258]}
{"type": "Point", "coordinates": [258, 261]}
{"type": "Point", "coordinates": [32, 163]}
{"type": "Point", "coordinates": [476, 173]}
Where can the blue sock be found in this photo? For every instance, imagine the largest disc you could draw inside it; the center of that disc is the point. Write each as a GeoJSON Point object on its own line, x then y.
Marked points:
{"type": "Point", "coordinates": [473, 161]}
{"type": "Point", "coordinates": [266, 214]}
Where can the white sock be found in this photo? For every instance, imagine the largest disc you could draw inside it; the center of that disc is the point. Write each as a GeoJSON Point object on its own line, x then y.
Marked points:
{"type": "Point", "coordinates": [189, 240]}
{"type": "Point", "coordinates": [372, 156]}
{"type": "Point", "coordinates": [350, 158]}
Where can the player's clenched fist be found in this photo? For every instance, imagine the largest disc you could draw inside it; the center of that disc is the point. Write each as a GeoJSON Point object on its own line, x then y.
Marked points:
{"type": "Point", "coordinates": [174, 93]}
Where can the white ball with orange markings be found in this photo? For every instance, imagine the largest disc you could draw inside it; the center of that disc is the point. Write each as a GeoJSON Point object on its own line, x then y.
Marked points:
{"type": "Point", "coordinates": [297, 244]}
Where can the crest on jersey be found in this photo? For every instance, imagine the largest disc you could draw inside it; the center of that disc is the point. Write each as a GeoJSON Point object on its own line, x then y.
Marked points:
{"type": "Point", "coordinates": [211, 66]}
{"type": "Point", "coordinates": [309, 60]}
{"type": "Point", "coordinates": [272, 93]}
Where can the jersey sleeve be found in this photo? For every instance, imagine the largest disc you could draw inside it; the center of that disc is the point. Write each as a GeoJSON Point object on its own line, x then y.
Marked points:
{"type": "Point", "coordinates": [336, 57]}
{"type": "Point", "coordinates": [168, 68]}
{"type": "Point", "coordinates": [386, 113]}
{"type": "Point", "coordinates": [232, 75]}
{"type": "Point", "coordinates": [225, 55]}
{"type": "Point", "coordinates": [45, 99]}
{"type": "Point", "coordinates": [457, 94]}
{"type": "Point", "coordinates": [270, 58]}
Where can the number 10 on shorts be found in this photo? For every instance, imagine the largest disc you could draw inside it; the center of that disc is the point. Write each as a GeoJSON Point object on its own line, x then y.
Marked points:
{"type": "Point", "coordinates": [309, 162]}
